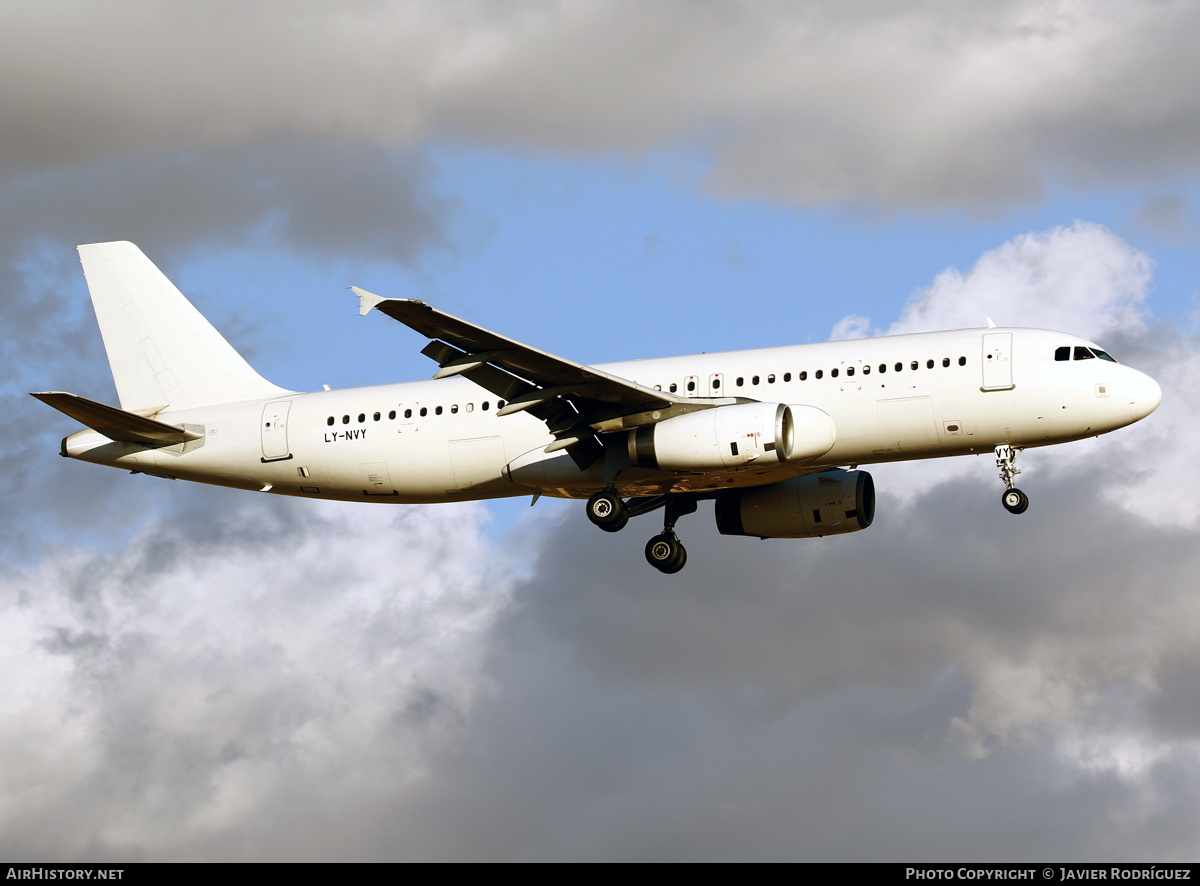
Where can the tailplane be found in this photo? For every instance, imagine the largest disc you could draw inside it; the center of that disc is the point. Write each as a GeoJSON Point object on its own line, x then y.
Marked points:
{"type": "Point", "coordinates": [162, 351]}
{"type": "Point", "coordinates": [116, 424]}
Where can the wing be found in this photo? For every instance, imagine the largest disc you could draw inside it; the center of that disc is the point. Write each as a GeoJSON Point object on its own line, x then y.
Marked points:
{"type": "Point", "coordinates": [575, 401]}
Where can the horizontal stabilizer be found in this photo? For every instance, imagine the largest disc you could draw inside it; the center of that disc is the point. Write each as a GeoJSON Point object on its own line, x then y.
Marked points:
{"type": "Point", "coordinates": [116, 424]}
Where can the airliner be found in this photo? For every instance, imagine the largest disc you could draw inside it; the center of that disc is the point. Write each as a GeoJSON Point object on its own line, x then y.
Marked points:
{"type": "Point", "coordinates": [774, 436]}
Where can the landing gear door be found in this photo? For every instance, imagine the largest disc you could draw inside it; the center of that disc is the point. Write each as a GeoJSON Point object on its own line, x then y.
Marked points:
{"type": "Point", "coordinates": [997, 362]}
{"type": "Point", "coordinates": [274, 431]}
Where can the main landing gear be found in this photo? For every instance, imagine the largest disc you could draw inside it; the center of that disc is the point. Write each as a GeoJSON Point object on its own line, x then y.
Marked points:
{"type": "Point", "coordinates": [607, 511]}
{"type": "Point", "coordinates": [664, 552]}
{"type": "Point", "coordinates": [1014, 500]}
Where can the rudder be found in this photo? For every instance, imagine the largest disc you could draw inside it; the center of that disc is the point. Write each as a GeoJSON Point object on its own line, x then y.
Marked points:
{"type": "Point", "coordinates": [162, 351]}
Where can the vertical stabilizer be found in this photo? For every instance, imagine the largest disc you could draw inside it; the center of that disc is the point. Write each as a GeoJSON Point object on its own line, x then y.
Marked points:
{"type": "Point", "coordinates": [162, 351]}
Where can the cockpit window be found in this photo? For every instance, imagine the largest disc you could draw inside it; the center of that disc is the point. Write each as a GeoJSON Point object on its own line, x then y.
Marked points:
{"type": "Point", "coordinates": [1103, 355]}
{"type": "Point", "coordinates": [1063, 353]}
{"type": "Point", "coordinates": [1082, 353]}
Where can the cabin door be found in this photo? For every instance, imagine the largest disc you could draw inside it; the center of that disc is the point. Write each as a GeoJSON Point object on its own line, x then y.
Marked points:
{"type": "Point", "coordinates": [997, 361]}
{"type": "Point", "coordinates": [274, 431]}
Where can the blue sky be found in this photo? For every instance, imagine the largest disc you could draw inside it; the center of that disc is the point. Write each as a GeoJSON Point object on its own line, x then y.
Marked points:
{"type": "Point", "coordinates": [554, 251]}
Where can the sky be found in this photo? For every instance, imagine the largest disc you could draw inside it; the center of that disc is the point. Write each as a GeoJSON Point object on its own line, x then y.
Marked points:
{"type": "Point", "coordinates": [194, 673]}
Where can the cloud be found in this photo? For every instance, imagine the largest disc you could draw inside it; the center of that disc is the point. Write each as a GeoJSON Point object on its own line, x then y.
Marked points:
{"type": "Point", "coordinates": [918, 104]}
{"type": "Point", "coordinates": [253, 678]}
{"type": "Point", "coordinates": [1081, 279]}
{"type": "Point", "coordinates": [951, 682]}
{"type": "Point", "coordinates": [1085, 280]}
{"type": "Point", "coordinates": [243, 670]}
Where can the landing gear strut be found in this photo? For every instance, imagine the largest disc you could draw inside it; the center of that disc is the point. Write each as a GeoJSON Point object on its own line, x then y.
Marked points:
{"type": "Point", "coordinates": [1014, 500]}
{"type": "Point", "coordinates": [665, 552]}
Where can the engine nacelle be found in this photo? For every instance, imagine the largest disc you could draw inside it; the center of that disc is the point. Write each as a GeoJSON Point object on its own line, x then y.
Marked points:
{"type": "Point", "coordinates": [732, 436]}
{"type": "Point", "coordinates": [830, 503]}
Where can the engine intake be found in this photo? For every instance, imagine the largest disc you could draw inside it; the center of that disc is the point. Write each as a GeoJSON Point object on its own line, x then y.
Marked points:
{"type": "Point", "coordinates": [830, 503]}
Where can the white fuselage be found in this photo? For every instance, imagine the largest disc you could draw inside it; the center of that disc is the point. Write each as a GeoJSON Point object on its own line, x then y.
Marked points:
{"type": "Point", "coordinates": [970, 391]}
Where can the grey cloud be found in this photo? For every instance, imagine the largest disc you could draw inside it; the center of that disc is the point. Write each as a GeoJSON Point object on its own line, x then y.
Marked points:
{"type": "Point", "coordinates": [806, 699]}
{"type": "Point", "coordinates": [316, 197]}
{"type": "Point", "coordinates": [920, 104]}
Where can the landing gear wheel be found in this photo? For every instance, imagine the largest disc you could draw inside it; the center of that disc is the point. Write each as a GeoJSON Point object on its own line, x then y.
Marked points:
{"type": "Point", "coordinates": [1015, 501]}
{"type": "Point", "coordinates": [666, 554]}
{"type": "Point", "coordinates": [607, 511]}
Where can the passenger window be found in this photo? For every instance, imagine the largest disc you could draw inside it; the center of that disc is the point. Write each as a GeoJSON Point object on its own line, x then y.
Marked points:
{"type": "Point", "coordinates": [674, 387]}
{"type": "Point", "coordinates": [484, 405]}
{"type": "Point", "coordinates": [915, 364]}
{"type": "Point", "coordinates": [329, 420]}
{"type": "Point", "coordinates": [424, 411]}
{"type": "Point", "coordinates": [437, 410]}
{"type": "Point", "coordinates": [899, 366]}
{"type": "Point", "coordinates": [470, 407]}
{"type": "Point", "coordinates": [787, 376]}
{"type": "Point", "coordinates": [929, 364]}
{"type": "Point", "coordinates": [716, 384]}
{"type": "Point", "coordinates": [362, 416]}
{"type": "Point", "coordinates": [691, 386]}
{"type": "Point", "coordinates": [962, 361]}
{"type": "Point", "coordinates": [754, 380]}
{"type": "Point", "coordinates": [866, 370]}
{"type": "Point", "coordinates": [883, 367]}
{"type": "Point", "coordinates": [377, 416]}
{"type": "Point", "coordinates": [849, 371]}
{"type": "Point", "coordinates": [945, 362]}
{"type": "Point", "coordinates": [345, 419]}
{"type": "Point", "coordinates": [771, 379]}
{"type": "Point", "coordinates": [741, 381]}
{"type": "Point", "coordinates": [833, 373]}
{"type": "Point", "coordinates": [1083, 354]}
{"type": "Point", "coordinates": [803, 375]}
{"type": "Point", "coordinates": [408, 413]}
{"type": "Point", "coordinates": [392, 415]}
{"type": "Point", "coordinates": [454, 409]}
{"type": "Point", "coordinates": [1063, 353]}
{"type": "Point", "coordinates": [819, 373]}
{"type": "Point", "coordinates": [658, 387]}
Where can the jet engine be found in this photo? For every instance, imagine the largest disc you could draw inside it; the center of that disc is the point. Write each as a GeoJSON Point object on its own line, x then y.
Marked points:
{"type": "Point", "coordinates": [732, 436]}
{"type": "Point", "coordinates": [829, 503]}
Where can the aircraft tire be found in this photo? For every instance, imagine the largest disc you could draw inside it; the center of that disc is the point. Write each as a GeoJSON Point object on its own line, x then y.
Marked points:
{"type": "Point", "coordinates": [607, 511]}
{"type": "Point", "coordinates": [666, 554]}
{"type": "Point", "coordinates": [1015, 501]}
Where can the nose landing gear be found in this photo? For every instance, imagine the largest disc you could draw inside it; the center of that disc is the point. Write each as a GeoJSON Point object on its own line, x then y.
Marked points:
{"type": "Point", "coordinates": [1014, 500]}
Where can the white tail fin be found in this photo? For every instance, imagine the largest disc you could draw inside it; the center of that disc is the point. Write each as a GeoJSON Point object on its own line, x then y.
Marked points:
{"type": "Point", "coordinates": [162, 351]}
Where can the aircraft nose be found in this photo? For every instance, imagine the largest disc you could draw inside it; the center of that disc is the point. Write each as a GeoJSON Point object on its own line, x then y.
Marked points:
{"type": "Point", "coordinates": [1144, 395]}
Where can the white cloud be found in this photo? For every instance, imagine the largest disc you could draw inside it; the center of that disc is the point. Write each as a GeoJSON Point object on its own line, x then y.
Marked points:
{"type": "Point", "coordinates": [1081, 279]}
{"type": "Point", "coordinates": [1085, 280]}
{"type": "Point", "coordinates": [191, 688]}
